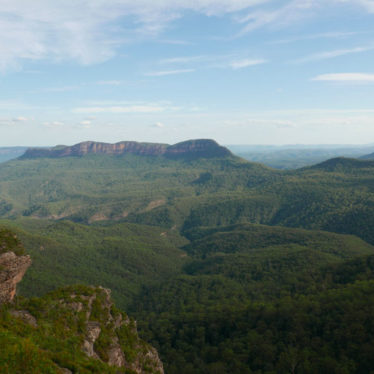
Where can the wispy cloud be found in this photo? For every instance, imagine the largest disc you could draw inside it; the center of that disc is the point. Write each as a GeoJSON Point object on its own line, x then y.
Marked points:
{"type": "Point", "coordinates": [240, 64]}
{"type": "Point", "coordinates": [368, 4]}
{"type": "Point", "coordinates": [346, 77]}
{"type": "Point", "coordinates": [19, 119]}
{"type": "Point", "coordinates": [110, 83]}
{"type": "Point", "coordinates": [183, 60]}
{"type": "Point", "coordinates": [326, 35]}
{"type": "Point", "coordinates": [53, 124]}
{"type": "Point", "coordinates": [120, 109]}
{"type": "Point", "coordinates": [168, 72]}
{"type": "Point", "coordinates": [332, 54]}
{"type": "Point", "coordinates": [124, 107]}
{"type": "Point", "coordinates": [192, 63]}
{"type": "Point", "coordinates": [92, 31]}
{"type": "Point", "coordinates": [284, 13]}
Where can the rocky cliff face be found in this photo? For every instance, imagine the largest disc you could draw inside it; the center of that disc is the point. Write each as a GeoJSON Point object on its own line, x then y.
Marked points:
{"type": "Point", "coordinates": [12, 270]}
{"type": "Point", "coordinates": [191, 149]}
{"type": "Point", "coordinates": [108, 334]}
{"type": "Point", "coordinates": [13, 264]}
{"type": "Point", "coordinates": [99, 336]}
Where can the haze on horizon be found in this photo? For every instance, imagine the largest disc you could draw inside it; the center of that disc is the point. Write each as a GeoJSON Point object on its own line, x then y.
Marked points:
{"type": "Point", "coordinates": [238, 71]}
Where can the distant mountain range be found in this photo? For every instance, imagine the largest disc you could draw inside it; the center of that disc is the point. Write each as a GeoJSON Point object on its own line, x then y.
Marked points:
{"type": "Point", "coordinates": [192, 148]}
{"type": "Point", "coordinates": [8, 153]}
{"type": "Point", "coordinates": [279, 157]}
{"type": "Point", "coordinates": [368, 157]}
{"type": "Point", "coordinates": [297, 156]}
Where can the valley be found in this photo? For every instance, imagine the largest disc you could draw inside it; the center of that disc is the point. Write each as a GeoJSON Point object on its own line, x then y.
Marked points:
{"type": "Point", "coordinates": [227, 265]}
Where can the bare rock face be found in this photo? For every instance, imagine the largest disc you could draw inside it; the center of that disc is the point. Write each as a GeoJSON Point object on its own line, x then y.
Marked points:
{"type": "Point", "coordinates": [205, 148]}
{"type": "Point", "coordinates": [25, 316]}
{"type": "Point", "coordinates": [107, 333]}
{"type": "Point", "coordinates": [12, 270]}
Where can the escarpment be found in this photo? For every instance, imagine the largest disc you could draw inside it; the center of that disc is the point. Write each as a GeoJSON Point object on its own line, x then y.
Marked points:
{"type": "Point", "coordinates": [73, 329]}
{"type": "Point", "coordinates": [12, 270]}
{"type": "Point", "coordinates": [108, 335]}
{"type": "Point", "coordinates": [13, 265]}
{"type": "Point", "coordinates": [205, 148]}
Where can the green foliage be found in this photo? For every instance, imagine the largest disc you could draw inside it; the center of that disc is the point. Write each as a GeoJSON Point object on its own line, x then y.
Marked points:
{"type": "Point", "coordinates": [9, 242]}
{"type": "Point", "coordinates": [56, 341]}
{"type": "Point", "coordinates": [256, 285]}
{"type": "Point", "coordinates": [327, 333]}
{"type": "Point", "coordinates": [121, 256]}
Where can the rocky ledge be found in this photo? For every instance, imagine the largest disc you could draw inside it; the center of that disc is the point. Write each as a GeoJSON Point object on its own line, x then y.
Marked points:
{"type": "Point", "coordinates": [12, 270]}
{"type": "Point", "coordinates": [109, 335]}
{"type": "Point", "coordinates": [204, 148]}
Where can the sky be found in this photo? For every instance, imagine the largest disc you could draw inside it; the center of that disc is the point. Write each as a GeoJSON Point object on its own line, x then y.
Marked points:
{"type": "Point", "coordinates": [237, 71]}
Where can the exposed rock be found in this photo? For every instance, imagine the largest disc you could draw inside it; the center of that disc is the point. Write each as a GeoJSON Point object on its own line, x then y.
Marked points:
{"type": "Point", "coordinates": [12, 270]}
{"type": "Point", "coordinates": [93, 331]}
{"type": "Point", "coordinates": [116, 356]}
{"type": "Point", "coordinates": [155, 204]}
{"type": "Point", "coordinates": [102, 337]}
{"type": "Point", "coordinates": [25, 316]}
{"type": "Point", "coordinates": [87, 312]}
{"type": "Point", "coordinates": [189, 149]}
{"type": "Point", "coordinates": [65, 371]}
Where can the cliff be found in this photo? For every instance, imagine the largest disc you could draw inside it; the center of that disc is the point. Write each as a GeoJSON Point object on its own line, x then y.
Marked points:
{"type": "Point", "coordinates": [190, 149]}
{"type": "Point", "coordinates": [12, 270]}
{"type": "Point", "coordinates": [13, 264]}
{"type": "Point", "coordinates": [74, 329]}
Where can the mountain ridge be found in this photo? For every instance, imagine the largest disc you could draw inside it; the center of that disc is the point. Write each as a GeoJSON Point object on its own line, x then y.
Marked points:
{"type": "Point", "coordinates": [205, 148]}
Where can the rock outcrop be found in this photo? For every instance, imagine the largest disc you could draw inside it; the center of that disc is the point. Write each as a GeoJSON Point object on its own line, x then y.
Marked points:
{"type": "Point", "coordinates": [12, 270]}
{"type": "Point", "coordinates": [102, 336]}
{"type": "Point", "coordinates": [205, 148]}
{"type": "Point", "coordinates": [110, 336]}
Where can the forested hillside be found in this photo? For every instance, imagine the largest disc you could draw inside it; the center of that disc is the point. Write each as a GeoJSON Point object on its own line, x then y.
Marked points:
{"type": "Point", "coordinates": [228, 266]}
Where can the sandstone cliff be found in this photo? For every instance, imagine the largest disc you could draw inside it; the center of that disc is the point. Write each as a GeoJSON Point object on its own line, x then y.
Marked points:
{"type": "Point", "coordinates": [191, 149]}
{"type": "Point", "coordinates": [108, 334]}
{"type": "Point", "coordinates": [74, 329]}
{"type": "Point", "coordinates": [12, 270]}
{"type": "Point", "coordinates": [13, 264]}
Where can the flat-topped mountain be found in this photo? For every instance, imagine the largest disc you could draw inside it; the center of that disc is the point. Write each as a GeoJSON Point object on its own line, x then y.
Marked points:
{"type": "Point", "coordinates": [205, 148]}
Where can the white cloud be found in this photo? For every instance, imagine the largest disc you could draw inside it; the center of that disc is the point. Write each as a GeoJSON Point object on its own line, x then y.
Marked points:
{"type": "Point", "coordinates": [121, 109]}
{"type": "Point", "coordinates": [208, 62]}
{"type": "Point", "coordinates": [290, 12]}
{"type": "Point", "coordinates": [90, 31]}
{"type": "Point", "coordinates": [110, 83]}
{"type": "Point", "coordinates": [326, 35]}
{"type": "Point", "coordinates": [183, 60]}
{"type": "Point", "coordinates": [294, 11]}
{"type": "Point", "coordinates": [169, 72]}
{"type": "Point", "coordinates": [346, 77]}
{"type": "Point", "coordinates": [240, 64]}
{"type": "Point", "coordinates": [19, 119]}
{"type": "Point", "coordinates": [159, 125]}
{"type": "Point", "coordinates": [53, 124]}
{"type": "Point", "coordinates": [332, 54]}
{"type": "Point", "coordinates": [368, 4]}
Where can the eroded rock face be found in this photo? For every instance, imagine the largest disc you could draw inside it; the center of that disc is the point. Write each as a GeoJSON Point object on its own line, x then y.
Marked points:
{"type": "Point", "coordinates": [12, 270]}
{"type": "Point", "coordinates": [103, 336]}
{"type": "Point", "coordinates": [191, 149]}
{"type": "Point", "coordinates": [25, 316]}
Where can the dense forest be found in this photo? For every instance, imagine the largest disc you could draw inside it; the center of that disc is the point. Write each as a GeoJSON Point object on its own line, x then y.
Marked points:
{"type": "Point", "coordinates": [228, 266]}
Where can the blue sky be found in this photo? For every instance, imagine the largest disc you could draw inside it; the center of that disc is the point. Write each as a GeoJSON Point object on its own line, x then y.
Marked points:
{"type": "Point", "coordinates": [238, 71]}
